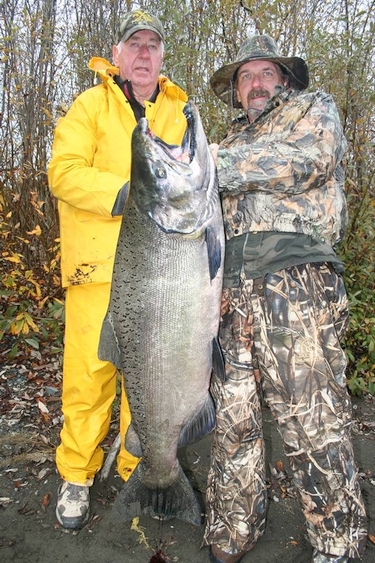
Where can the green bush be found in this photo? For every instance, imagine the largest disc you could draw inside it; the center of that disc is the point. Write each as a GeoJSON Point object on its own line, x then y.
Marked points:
{"type": "Point", "coordinates": [358, 253]}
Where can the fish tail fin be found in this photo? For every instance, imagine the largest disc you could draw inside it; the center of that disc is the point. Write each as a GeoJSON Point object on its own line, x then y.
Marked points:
{"type": "Point", "coordinates": [178, 500]}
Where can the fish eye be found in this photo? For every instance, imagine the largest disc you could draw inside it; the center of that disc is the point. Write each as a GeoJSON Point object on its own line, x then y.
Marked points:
{"type": "Point", "coordinates": [159, 170]}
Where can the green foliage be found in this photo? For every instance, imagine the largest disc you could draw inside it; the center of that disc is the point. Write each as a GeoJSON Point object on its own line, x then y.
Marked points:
{"type": "Point", "coordinates": [358, 253]}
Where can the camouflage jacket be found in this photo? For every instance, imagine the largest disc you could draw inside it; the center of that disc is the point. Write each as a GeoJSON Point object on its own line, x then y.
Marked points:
{"type": "Point", "coordinates": [283, 172]}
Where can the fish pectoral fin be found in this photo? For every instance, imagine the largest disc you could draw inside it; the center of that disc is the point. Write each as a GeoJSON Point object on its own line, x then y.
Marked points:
{"type": "Point", "coordinates": [109, 349]}
{"type": "Point", "coordinates": [178, 500]}
{"type": "Point", "coordinates": [202, 423]}
{"type": "Point", "coordinates": [218, 362]}
{"type": "Point", "coordinates": [132, 442]}
{"type": "Point", "coordinates": [213, 251]}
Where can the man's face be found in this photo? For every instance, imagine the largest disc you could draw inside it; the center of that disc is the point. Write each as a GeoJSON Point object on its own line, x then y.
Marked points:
{"type": "Point", "coordinates": [140, 58]}
{"type": "Point", "coordinates": [256, 81]}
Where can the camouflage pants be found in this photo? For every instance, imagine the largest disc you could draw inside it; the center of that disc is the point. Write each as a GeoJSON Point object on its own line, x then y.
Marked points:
{"type": "Point", "coordinates": [281, 337]}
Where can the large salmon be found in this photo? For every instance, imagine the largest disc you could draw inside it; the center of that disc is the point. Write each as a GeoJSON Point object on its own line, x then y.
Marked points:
{"type": "Point", "coordinates": [162, 321]}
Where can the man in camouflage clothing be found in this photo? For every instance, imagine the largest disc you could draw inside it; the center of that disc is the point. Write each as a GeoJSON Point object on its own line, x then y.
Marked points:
{"type": "Point", "coordinates": [284, 310]}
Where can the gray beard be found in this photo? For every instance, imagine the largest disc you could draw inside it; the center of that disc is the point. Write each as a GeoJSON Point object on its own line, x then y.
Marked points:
{"type": "Point", "coordinates": [253, 113]}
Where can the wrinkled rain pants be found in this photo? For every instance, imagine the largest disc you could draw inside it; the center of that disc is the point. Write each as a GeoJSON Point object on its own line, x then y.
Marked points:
{"type": "Point", "coordinates": [89, 389]}
{"type": "Point", "coordinates": [280, 336]}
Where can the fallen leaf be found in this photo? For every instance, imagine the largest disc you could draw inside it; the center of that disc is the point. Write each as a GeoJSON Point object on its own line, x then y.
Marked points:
{"type": "Point", "coordinates": [18, 483]}
{"type": "Point", "coordinates": [42, 407]}
{"type": "Point", "coordinates": [5, 542]}
{"type": "Point", "coordinates": [93, 521]}
{"type": "Point", "coordinates": [45, 440]}
{"type": "Point", "coordinates": [139, 529]}
{"type": "Point", "coordinates": [25, 510]}
{"type": "Point", "coordinates": [46, 500]}
{"type": "Point", "coordinates": [37, 231]}
{"type": "Point", "coordinates": [279, 466]}
{"type": "Point", "coordinates": [42, 473]}
{"type": "Point", "coordinates": [159, 557]}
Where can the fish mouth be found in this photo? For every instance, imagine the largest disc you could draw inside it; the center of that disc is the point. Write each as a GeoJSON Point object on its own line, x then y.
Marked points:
{"type": "Point", "coordinates": [178, 157]}
{"type": "Point", "coordinates": [181, 156]}
{"type": "Point", "coordinates": [174, 184]}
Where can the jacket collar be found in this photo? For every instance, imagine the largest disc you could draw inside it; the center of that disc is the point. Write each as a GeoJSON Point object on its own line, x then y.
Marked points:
{"type": "Point", "coordinates": [106, 71]}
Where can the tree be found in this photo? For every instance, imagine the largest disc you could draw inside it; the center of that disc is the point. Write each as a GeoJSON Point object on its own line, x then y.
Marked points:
{"type": "Point", "coordinates": [46, 45]}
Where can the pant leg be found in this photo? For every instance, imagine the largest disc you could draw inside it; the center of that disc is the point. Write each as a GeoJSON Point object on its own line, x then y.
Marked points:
{"type": "Point", "coordinates": [300, 320]}
{"type": "Point", "coordinates": [236, 493]}
{"type": "Point", "coordinates": [89, 385]}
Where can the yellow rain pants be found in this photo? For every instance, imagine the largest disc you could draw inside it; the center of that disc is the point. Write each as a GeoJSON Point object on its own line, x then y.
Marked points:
{"type": "Point", "coordinates": [89, 388]}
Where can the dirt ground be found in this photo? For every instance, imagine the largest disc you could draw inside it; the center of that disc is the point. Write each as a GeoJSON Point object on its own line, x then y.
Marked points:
{"type": "Point", "coordinates": [30, 420]}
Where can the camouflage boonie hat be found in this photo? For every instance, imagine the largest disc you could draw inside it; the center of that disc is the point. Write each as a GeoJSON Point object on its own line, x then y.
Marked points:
{"type": "Point", "coordinates": [138, 20]}
{"type": "Point", "coordinates": [257, 47]}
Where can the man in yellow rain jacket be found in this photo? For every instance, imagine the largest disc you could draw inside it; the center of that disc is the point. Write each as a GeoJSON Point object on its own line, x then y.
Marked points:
{"type": "Point", "coordinates": [89, 173]}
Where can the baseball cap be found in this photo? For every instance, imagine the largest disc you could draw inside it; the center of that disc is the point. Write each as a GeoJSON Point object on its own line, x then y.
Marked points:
{"type": "Point", "coordinates": [139, 20]}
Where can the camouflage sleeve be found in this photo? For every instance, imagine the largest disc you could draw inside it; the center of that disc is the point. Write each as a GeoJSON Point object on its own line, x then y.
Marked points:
{"type": "Point", "coordinates": [302, 151]}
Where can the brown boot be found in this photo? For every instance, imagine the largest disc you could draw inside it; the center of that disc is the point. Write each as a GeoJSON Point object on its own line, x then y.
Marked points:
{"type": "Point", "coordinates": [219, 556]}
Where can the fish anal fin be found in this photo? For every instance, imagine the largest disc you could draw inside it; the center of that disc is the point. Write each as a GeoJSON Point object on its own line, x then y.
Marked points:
{"type": "Point", "coordinates": [201, 425]}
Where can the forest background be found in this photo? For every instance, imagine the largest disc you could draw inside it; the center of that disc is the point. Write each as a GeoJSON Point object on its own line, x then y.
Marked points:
{"type": "Point", "coordinates": [45, 46]}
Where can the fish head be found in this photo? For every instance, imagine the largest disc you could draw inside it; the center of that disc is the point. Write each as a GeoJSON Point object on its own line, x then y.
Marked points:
{"type": "Point", "coordinates": [174, 185]}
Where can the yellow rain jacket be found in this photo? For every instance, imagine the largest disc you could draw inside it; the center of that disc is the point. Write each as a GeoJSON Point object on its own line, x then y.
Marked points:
{"type": "Point", "coordinates": [91, 162]}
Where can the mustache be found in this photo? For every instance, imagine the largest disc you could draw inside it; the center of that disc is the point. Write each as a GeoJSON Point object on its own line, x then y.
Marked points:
{"type": "Point", "coordinates": [256, 93]}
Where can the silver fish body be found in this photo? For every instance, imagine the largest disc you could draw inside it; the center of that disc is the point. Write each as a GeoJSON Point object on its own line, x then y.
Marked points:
{"type": "Point", "coordinates": [162, 321]}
